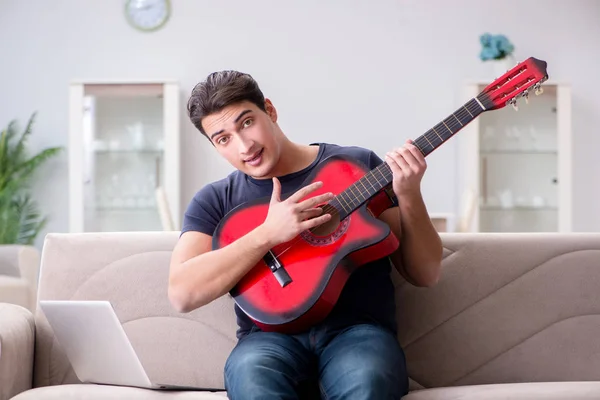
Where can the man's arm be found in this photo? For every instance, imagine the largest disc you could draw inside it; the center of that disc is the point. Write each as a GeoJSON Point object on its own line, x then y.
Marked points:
{"type": "Point", "coordinates": [199, 275]}
{"type": "Point", "coordinates": [419, 256]}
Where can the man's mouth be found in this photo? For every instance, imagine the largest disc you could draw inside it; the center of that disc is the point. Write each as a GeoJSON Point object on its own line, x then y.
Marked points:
{"type": "Point", "coordinates": [255, 159]}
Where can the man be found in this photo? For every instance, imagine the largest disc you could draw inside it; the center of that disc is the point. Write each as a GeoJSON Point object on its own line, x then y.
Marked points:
{"type": "Point", "coordinates": [354, 352]}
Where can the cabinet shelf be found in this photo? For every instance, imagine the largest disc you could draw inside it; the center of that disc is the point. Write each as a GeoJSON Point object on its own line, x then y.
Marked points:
{"type": "Point", "coordinates": [123, 209]}
{"type": "Point", "coordinates": [519, 152]}
{"type": "Point", "coordinates": [518, 208]}
{"type": "Point", "coordinates": [129, 151]}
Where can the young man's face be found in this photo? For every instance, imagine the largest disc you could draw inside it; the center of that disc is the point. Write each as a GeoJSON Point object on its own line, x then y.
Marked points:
{"type": "Point", "coordinates": [246, 136]}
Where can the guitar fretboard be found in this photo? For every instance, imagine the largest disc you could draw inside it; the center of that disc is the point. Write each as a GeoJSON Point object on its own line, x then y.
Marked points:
{"type": "Point", "coordinates": [380, 177]}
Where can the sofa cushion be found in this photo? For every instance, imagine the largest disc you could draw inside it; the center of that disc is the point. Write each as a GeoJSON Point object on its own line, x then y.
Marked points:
{"type": "Point", "coordinates": [103, 392]}
{"type": "Point", "coordinates": [512, 391]}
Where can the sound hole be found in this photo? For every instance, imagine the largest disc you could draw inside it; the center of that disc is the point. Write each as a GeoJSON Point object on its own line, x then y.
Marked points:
{"type": "Point", "coordinates": [328, 227]}
{"type": "Point", "coordinates": [328, 232]}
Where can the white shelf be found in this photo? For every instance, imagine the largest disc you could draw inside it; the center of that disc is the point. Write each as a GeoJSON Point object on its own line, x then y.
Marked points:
{"type": "Point", "coordinates": [516, 208]}
{"type": "Point", "coordinates": [518, 152]}
{"type": "Point", "coordinates": [127, 151]}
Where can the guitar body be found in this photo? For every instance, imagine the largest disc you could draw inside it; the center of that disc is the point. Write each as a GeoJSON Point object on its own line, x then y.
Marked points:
{"type": "Point", "coordinates": [318, 263]}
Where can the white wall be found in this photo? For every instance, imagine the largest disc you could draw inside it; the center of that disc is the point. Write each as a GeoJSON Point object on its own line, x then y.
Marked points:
{"type": "Point", "coordinates": [367, 73]}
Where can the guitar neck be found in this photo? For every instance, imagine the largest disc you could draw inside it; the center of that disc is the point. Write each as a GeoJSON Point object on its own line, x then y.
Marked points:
{"type": "Point", "coordinates": [381, 176]}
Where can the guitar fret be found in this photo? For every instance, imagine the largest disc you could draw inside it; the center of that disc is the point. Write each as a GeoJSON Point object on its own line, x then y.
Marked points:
{"type": "Point", "coordinates": [447, 127]}
{"type": "Point", "coordinates": [358, 191]}
{"type": "Point", "coordinates": [377, 169]}
{"type": "Point", "coordinates": [361, 182]}
{"type": "Point", "coordinates": [438, 134]}
{"type": "Point", "coordinates": [387, 171]}
{"type": "Point", "coordinates": [463, 117]}
{"type": "Point", "coordinates": [478, 102]}
{"type": "Point", "coordinates": [352, 191]}
{"type": "Point", "coordinates": [349, 199]}
{"type": "Point", "coordinates": [348, 193]}
{"type": "Point", "coordinates": [434, 137]}
{"type": "Point", "coordinates": [474, 107]}
{"type": "Point", "coordinates": [425, 136]}
{"type": "Point", "coordinates": [416, 143]}
{"type": "Point", "coordinates": [461, 124]}
{"type": "Point", "coordinates": [468, 111]}
{"type": "Point", "coordinates": [444, 131]}
{"type": "Point", "coordinates": [340, 196]}
{"type": "Point", "coordinates": [368, 180]}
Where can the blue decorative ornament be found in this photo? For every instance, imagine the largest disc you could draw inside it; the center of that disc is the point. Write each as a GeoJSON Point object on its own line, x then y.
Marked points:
{"type": "Point", "coordinates": [495, 47]}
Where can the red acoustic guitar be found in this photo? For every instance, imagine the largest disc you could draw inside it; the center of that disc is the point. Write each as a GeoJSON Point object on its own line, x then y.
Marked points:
{"type": "Point", "coordinates": [297, 283]}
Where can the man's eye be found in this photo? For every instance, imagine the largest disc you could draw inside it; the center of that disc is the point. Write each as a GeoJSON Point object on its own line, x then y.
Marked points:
{"type": "Point", "coordinates": [247, 123]}
{"type": "Point", "coordinates": [222, 140]}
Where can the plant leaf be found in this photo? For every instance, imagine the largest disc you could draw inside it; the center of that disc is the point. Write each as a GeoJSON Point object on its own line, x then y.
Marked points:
{"type": "Point", "coordinates": [20, 218]}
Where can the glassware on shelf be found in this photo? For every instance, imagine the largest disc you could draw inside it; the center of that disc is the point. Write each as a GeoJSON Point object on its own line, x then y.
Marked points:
{"type": "Point", "coordinates": [538, 201]}
{"type": "Point", "coordinates": [488, 139]}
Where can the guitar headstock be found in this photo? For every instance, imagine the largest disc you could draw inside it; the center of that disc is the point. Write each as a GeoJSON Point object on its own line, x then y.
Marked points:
{"type": "Point", "coordinates": [517, 82]}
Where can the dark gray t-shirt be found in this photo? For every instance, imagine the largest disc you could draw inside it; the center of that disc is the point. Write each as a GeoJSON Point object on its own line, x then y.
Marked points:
{"type": "Point", "coordinates": [368, 295]}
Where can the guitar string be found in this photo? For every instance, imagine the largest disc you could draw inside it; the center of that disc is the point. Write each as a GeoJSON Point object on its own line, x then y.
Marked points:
{"type": "Point", "coordinates": [420, 142]}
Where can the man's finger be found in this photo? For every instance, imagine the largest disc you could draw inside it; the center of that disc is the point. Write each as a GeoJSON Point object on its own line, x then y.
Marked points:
{"type": "Point", "coordinates": [276, 195]}
{"type": "Point", "coordinates": [313, 201]}
{"type": "Point", "coordinates": [311, 223]}
{"type": "Point", "coordinates": [305, 191]}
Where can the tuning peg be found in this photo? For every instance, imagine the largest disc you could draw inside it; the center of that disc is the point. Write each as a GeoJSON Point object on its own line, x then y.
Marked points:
{"type": "Point", "coordinates": [526, 96]}
{"type": "Point", "coordinates": [513, 101]}
{"type": "Point", "coordinates": [538, 89]}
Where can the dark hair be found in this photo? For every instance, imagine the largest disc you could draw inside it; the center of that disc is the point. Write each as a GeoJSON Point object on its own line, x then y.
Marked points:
{"type": "Point", "coordinates": [219, 90]}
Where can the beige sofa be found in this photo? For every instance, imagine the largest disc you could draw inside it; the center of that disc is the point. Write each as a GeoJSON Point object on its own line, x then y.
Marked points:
{"type": "Point", "coordinates": [19, 268]}
{"type": "Point", "coordinates": [510, 309]}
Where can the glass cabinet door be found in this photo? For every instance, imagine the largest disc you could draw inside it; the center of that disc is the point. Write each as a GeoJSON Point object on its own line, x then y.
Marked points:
{"type": "Point", "coordinates": [519, 167]}
{"type": "Point", "coordinates": [123, 157]}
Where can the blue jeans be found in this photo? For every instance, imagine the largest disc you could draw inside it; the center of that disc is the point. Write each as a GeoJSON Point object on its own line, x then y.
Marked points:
{"type": "Point", "coordinates": [363, 361]}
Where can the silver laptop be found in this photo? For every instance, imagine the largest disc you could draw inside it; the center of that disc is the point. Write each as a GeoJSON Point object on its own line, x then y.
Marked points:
{"type": "Point", "coordinates": [96, 344]}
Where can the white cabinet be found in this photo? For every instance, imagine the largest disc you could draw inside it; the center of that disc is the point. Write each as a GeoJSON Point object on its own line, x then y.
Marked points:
{"type": "Point", "coordinates": [123, 156]}
{"type": "Point", "coordinates": [516, 165]}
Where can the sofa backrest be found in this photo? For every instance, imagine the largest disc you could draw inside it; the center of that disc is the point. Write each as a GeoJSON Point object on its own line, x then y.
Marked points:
{"type": "Point", "coordinates": [131, 270]}
{"type": "Point", "coordinates": [515, 307]}
{"type": "Point", "coordinates": [509, 308]}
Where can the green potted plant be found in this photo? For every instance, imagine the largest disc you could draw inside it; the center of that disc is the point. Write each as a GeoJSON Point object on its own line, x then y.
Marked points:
{"type": "Point", "coordinates": [20, 218]}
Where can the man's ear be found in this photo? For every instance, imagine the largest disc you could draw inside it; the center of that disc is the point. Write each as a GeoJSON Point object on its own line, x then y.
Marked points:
{"type": "Point", "coordinates": [270, 109]}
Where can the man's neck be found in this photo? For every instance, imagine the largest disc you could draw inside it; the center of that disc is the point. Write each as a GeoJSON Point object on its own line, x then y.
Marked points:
{"type": "Point", "coordinates": [294, 157]}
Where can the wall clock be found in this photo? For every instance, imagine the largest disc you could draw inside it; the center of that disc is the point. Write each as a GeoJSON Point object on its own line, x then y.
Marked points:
{"type": "Point", "coordinates": [147, 15]}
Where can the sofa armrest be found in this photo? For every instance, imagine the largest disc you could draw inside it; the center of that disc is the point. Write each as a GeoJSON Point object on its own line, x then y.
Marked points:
{"type": "Point", "coordinates": [22, 262]}
{"type": "Point", "coordinates": [17, 334]}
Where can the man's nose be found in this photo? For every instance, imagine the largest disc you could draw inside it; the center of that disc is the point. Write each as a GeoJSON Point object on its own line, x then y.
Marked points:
{"type": "Point", "coordinates": [245, 145]}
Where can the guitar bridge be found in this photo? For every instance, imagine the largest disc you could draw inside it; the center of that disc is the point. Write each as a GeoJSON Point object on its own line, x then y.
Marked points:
{"type": "Point", "coordinates": [277, 269]}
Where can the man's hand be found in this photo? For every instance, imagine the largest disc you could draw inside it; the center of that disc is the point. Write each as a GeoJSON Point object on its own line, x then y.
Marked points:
{"type": "Point", "coordinates": [408, 166]}
{"type": "Point", "coordinates": [286, 219]}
